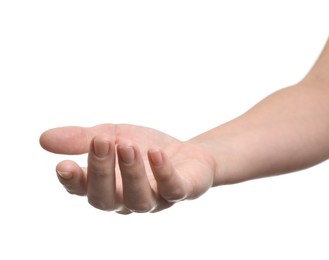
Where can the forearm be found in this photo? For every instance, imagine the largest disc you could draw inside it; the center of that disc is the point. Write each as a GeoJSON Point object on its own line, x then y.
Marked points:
{"type": "Point", "coordinates": [285, 132]}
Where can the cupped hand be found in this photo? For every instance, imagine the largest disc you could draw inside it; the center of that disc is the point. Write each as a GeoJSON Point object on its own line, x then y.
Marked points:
{"type": "Point", "coordinates": [130, 168]}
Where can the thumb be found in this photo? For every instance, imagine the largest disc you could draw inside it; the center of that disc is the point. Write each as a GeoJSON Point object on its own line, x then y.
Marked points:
{"type": "Point", "coordinates": [72, 139]}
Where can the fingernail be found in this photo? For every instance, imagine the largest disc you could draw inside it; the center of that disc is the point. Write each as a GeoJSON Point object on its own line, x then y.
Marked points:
{"type": "Point", "coordinates": [101, 148]}
{"type": "Point", "coordinates": [127, 154]}
{"type": "Point", "coordinates": [65, 175]}
{"type": "Point", "coordinates": [156, 157]}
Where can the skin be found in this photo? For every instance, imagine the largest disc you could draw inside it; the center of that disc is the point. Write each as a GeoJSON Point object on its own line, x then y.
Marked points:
{"type": "Point", "coordinates": [138, 169]}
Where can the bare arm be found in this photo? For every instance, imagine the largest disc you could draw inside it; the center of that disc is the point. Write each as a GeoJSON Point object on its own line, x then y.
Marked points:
{"type": "Point", "coordinates": [138, 169]}
{"type": "Point", "coordinates": [285, 132]}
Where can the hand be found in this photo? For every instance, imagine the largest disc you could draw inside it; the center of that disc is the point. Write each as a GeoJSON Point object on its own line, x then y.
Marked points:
{"type": "Point", "coordinates": [130, 168]}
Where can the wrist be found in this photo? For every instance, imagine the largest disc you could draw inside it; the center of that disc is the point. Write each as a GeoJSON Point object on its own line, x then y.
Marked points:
{"type": "Point", "coordinates": [219, 156]}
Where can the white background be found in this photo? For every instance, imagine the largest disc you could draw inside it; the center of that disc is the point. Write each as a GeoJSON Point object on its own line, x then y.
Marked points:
{"type": "Point", "coordinates": [178, 66]}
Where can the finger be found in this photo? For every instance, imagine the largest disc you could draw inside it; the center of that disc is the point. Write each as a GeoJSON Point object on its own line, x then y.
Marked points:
{"type": "Point", "coordinates": [171, 186]}
{"type": "Point", "coordinates": [72, 177]}
{"type": "Point", "coordinates": [124, 211]}
{"type": "Point", "coordinates": [72, 139]}
{"type": "Point", "coordinates": [137, 193]}
{"type": "Point", "coordinates": [101, 179]}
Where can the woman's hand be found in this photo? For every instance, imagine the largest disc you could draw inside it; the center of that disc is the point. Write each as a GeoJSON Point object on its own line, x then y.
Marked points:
{"type": "Point", "coordinates": [130, 168]}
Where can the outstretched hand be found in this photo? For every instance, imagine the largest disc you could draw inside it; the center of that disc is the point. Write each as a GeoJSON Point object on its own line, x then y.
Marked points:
{"type": "Point", "coordinates": [130, 168]}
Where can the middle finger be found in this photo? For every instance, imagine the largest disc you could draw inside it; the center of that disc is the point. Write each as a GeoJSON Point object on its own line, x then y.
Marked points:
{"type": "Point", "coordinates": [138, 195]}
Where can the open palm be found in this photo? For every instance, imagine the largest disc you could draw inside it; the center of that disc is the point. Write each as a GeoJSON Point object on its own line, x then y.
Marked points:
{"type": "Point", "coordinates": [130, 168]}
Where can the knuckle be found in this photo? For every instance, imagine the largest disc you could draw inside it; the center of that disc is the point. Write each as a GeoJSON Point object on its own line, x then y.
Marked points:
{"type": "Point", "coordinates": [101, 205]}
{"type": "Point", "coordinates": [98, 172]}
{"type": "Point", "coordinates": [130, 176]}
{"type": "Point", "coordinates": [133, 174]}
{"type": "Point", "coordinates": [76, 192]}
{"type": "Point", "coordinates": [175, 195]}
{"type": "Point", "coordinates": [141, 207]}
{"type": "Point", "coordinates": [76, 188]}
